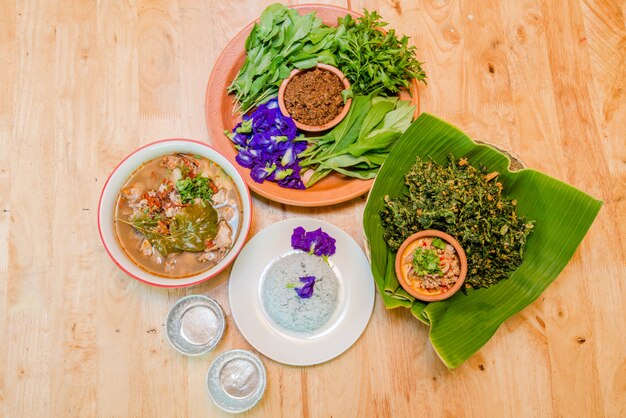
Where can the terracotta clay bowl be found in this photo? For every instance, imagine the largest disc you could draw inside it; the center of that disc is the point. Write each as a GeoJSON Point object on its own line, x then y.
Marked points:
{"type": "Point", "coordinates": [327, 125]}
{"type": "Point", "coordinates": [423, 294]}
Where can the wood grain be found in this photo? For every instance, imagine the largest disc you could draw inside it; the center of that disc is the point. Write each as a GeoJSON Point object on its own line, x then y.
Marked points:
{"type": "Point", "coordinates": [83, 83]}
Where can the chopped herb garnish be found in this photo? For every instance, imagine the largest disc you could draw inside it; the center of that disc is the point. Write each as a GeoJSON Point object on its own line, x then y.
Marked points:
{"type": "Point", "coordinates": [426, 261]}
{"type": "Point", "coordinates": [192, 188]}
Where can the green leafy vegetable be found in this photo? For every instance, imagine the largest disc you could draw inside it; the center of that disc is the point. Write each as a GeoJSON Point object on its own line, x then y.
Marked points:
{"type": "Point", "coordinates": [373, 61]}
{"type": "Point", "coordinates": [461, 325]}
{"type": "Point", "coordinates": [189, 230]}
{"type": "Point", "coordinates": [426, 261]}
{"type": "Point", "coordinates": [467, 203]}
{"type": "Point", "coordinates": [359, 144]}
{"type": "Point", "coordinates": [281, 41]}
{"type": "Point", "coordinates": [192, 188]}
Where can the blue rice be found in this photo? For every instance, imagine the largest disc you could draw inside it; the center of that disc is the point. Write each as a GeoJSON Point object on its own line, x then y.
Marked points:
{"type": "Point", "coordinates": [283, 304]}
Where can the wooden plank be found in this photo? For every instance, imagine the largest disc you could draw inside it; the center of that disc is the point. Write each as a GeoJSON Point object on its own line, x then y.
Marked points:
{"type": "Point", "coordinates": [76, 84]}
{"type": "Point", "coordinates": [8, 50]}
{"type": "Point", "coordinates": [118, 336]}
{"type": "Point", "coordinates": [29, 329]}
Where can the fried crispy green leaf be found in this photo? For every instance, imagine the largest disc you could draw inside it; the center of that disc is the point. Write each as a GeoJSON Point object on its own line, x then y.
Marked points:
{"type": "Point", "coordinates": [461, 325]}
{"type": "Point", "coordinates": [458, 199]}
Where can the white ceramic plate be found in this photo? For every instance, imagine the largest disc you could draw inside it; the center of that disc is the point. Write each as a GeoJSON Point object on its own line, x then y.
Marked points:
{"type": "Point", "coordinates": [119, 176]}
{"type": "Point", "coordinates": [356, 296]}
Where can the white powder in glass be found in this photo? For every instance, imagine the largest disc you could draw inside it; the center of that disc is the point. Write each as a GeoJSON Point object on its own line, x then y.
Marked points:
{"type": "Point", "coordinates": [199, 325]}
{"type": "Point", "coordinates": [239, 378]}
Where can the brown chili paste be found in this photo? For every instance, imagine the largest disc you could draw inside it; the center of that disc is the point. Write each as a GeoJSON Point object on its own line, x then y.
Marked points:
{"type": "Point", "coordinates": [314, 97]}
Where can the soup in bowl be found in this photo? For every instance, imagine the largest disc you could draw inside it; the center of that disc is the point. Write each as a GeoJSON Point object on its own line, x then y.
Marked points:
{"type": "Point", "coordinates": [174, 213]}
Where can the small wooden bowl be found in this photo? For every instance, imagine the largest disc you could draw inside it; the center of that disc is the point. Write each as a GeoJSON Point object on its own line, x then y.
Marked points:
{"type": "Point", "coordinates": [312, 128]}
{"type": "Point", "coordinates": [426, 296]}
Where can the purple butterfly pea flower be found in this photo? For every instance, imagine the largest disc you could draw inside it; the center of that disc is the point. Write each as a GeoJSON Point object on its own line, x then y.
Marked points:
{"type": "Point", "coordinates": [271, 104]}
{"type": "Point", "coordinates": [265, 120]}
{"type": "Point", "coordinates": [286, 125]}
{"type": "Point", "coordinates": [260, 173]}
{"type": "Point", "coordinates": [315, 242]}
{"type": "Point", "coordinates": [243, 127]}
{"type": "Point", "coordinates": [289, 157]}
{"type": "Point", "coordinates": [298, 239]}
{"type": "Point", "coordinates": [322, 244]}
{"type": "Point", "coordinates": [292, 183]}
{"type": "Point", "coordinates": [240, 139]}
{"type": "Point", "coordinates": [247, 157]}
{"type": "Point", "coordinates": [260, 140]}
{"type": "Point", "coordinates": [277, 147]}
{"type": "Point", "coordinates": [306, 291]}
{"type": "Point", "coordinates": [282, 173]}
{"type": "Point", "coordinates": [265, 143]}
{"type": "Point", "coordinates": [299, 146]}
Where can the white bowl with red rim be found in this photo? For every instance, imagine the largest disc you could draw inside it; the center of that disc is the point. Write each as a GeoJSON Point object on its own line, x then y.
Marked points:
{"type": "Point", "coordinates": [119, 176]}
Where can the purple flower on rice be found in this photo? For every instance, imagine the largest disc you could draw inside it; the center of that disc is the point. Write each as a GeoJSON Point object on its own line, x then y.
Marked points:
{"type": "Point", "coordinates": [306, 291]}
{"type": "Point", "coordinates": [322, 244]}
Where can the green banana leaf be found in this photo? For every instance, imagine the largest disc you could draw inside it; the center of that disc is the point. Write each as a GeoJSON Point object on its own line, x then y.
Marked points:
{"type": "Point", "coordinates": [461, 325]}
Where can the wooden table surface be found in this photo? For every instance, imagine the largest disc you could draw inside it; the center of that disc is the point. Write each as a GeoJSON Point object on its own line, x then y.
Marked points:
{"type": "Point", "coordinates": [84, 83]}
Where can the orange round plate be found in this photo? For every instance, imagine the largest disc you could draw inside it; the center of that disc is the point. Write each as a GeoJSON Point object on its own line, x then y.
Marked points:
{"type": "Point", "coordinates": [334, 188]}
